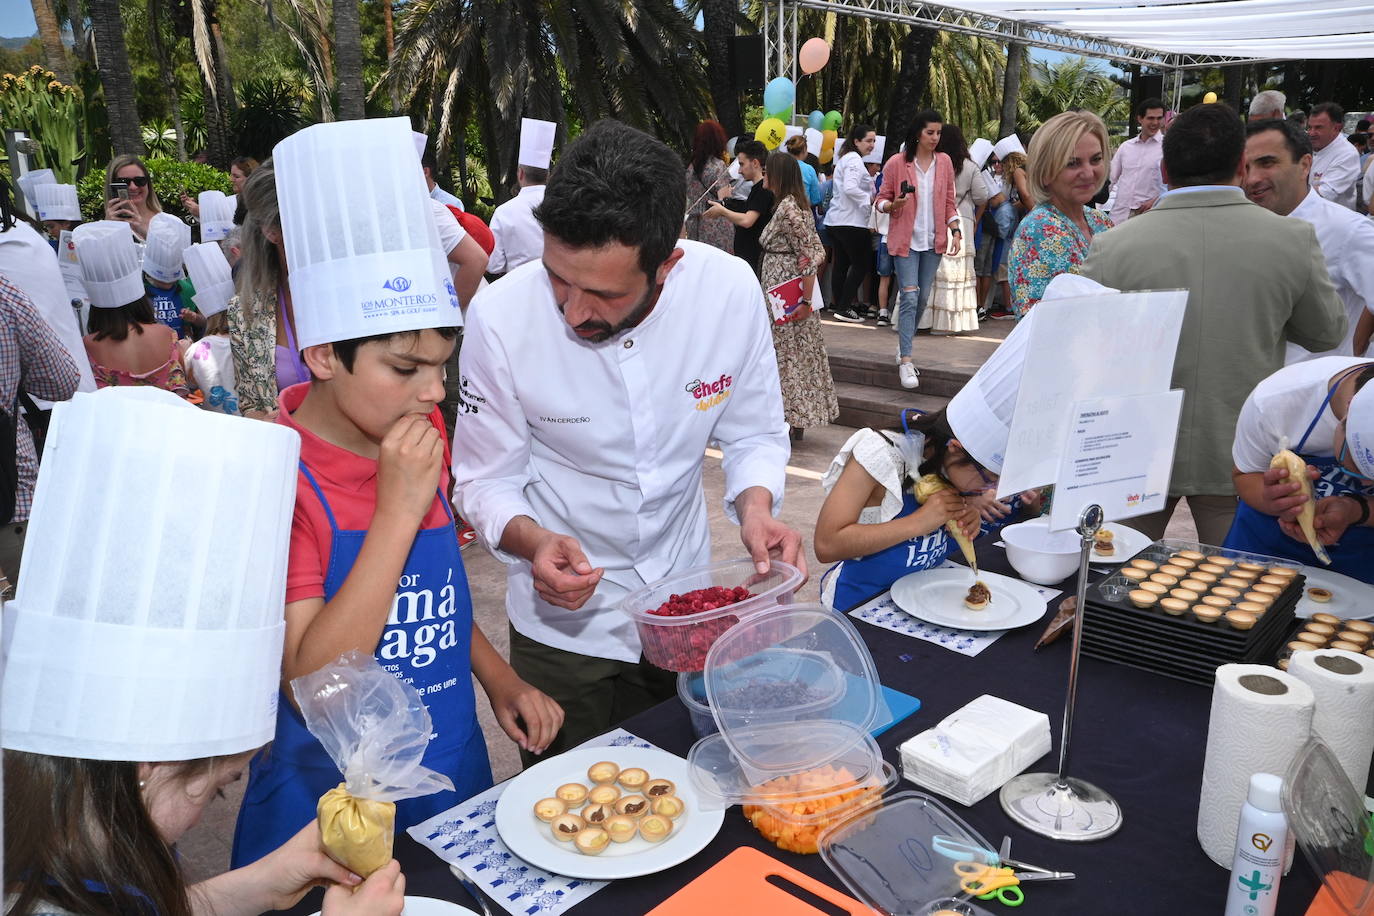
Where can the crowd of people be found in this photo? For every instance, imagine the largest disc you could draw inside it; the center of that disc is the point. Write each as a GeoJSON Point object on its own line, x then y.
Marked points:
{"type": "Point", "coordinates": [625, 309]}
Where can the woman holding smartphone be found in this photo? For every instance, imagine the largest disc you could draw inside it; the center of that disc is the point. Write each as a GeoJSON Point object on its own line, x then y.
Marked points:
{"type": "Point", "coordinates": [129, 194]}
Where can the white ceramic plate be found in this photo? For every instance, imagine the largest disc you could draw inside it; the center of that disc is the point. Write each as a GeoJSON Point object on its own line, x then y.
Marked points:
{"type": "Point", "coordinates": [529, 838]}
{"type": "Point", "coordinates": [428, 906]}
{"type": "Point", "coordinates": [937, 596]}
{"type": "Point", "coordinates": [1128, 541]}
{"type": "Point", "coordinates": [1351, 599]}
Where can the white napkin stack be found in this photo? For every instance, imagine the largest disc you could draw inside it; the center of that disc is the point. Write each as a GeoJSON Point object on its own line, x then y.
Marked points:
{"type": "Point", "coordinates": [974, 751]}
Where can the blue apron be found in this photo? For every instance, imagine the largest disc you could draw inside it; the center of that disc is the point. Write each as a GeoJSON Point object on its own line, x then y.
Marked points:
{"type": "Point", "coordinates": [427, 642]}
{"type": "Point", "coordinates": [1352, 556]}
{"type": "Point", "coordinates": [863, 579]}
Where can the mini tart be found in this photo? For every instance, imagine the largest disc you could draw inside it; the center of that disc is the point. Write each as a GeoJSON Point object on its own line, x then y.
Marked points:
{"type": "Point", "coordinates": [1359, 626]}
{"type": "Point", "coordinates": [1355, 636]}
{"type": "Point", "coordinates": [632, 806]}
{"type": "Point", "coordinates": [1193, 585]}
{"type": "Point", "coordinates": [1233, 582]}
{"type": "Point", "coordinates": [1333, 621]}
{"type": "Point", "coordinates": [1135, 575]}
{"type": "Point", "coordinates": [1299, 646]}
{"type": "Point", "coordinates": [658, 788]}
{"type": "Point", "coordinates": [1147, 565]}
{"type": "Point", "coordinates": [1279, 581]}
{"type": "Point", "coordinates": [566, 826]}
{"type": "Point", "coordinates": [1216, 601]}
{"type": "Point", "coordinates": [597, 815]}
{"type": "Point", "coordinates": [1172, 570]}
{"type": "Point", "coordinates": [592, 841]}
{"type": "Point", "coordinates": [1259, 598]}
{"type": "Point", "coordinates": [1185, 594]}
{"type": "Point", "coordinates": [1182, 562]}
{"type": "Point", "coordinates": [603, 795]}
{"type": "Point", "coordinates": [1143, 599]}
{"type": "Point", "coordinates": [1346, 646]}
{"type": "Point", "coordinates": [1251, 567]}
{"type": "Point", "coordinates": [572, 793]}
{"type": "Point", "coordinates": [1193, 555]}
{"type": "Point", "coordinates": [1220, 560]}
{"type": "Point", "coordinates": [633, 779]}
{"type": "Point", "coordinates": [621, 828]}
{"type": "Point", "coordinates": [1312, 639]}
{"type": "Point", "coordinates": [1319, 595]}
{"type": "Point", "coordinates": [1244, 575]}
{"type": "Point", "coordinates": [1323, 629]}
{"type": "Point", "coordinates": [1164, 578]}
{"type": "Point", "coordinates": [1154, 588]}
{"type": "Point", "coordinates": [1174, 606]}
{"type": "Point", "coordinates": [1369, 652]}
{"type": "Point", "coordinates": [1266, 589]}
{"type": "Point", "coordinates": [1206, 613]}
{"type": "Point", "coordinates": [546, 809]}
{"type": "Point", "coordinates": [1240, 620]}
{"type": "Point", "coordinates": [603, 772]}
{"type": "Point", "coordinates": [670, 806]}
{"type": "Point", "coordinates": [655, 828]}
{"type": "Point", "coordinates": [1212, 569]}
{"type": "Point", "coordinates": [1281, 664]}
{"type": "Point", "coordinates": [1209, 578]}
{"type": "Point", "coordinates": [1226, 591]}
{"type": "Point", "coordinates": [1252, 607]}
{"type": "Point", "coordinates": [1286, 572]}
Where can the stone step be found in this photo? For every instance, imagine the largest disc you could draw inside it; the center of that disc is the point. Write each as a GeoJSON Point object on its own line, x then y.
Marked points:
{"type": "Point", "coordinates": [878, 407]}
{"type": "Point", "coordinates": [880, 371]}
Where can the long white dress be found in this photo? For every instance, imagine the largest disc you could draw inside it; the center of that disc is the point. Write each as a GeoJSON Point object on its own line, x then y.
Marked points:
{"type": "Point", "coordinates": [953, 305]}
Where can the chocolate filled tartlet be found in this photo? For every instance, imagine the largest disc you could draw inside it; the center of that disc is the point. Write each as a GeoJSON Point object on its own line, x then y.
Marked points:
{"type": "Point", "coordinates": [598, 814]}
{"type": "Point", "coordinates": [657, 788]}
{"type": "Point", "coordinates": [566, 826]}
{"type": "Point", "coordinates": [632, 806]}
{"type": "Point", "coordinates": [978, 597]}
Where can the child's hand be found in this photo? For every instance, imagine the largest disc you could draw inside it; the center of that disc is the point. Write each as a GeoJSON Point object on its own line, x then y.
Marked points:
{"type": "Point", "coordinates": [940, 507]}
{"type": "Point", "coordinates": [408, 467]}
{"type": "Point", "coordinates": [191, 316]}
{"type": "Point", "coordinates": [514, 699]}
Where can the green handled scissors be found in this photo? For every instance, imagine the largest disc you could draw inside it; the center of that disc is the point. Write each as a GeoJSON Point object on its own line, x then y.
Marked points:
{"type": "Point", "coordinates": [990, 882]}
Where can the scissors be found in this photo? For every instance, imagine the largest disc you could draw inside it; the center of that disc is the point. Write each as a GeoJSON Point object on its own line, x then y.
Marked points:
{"type": "Point", "coordinates": [956, 849]}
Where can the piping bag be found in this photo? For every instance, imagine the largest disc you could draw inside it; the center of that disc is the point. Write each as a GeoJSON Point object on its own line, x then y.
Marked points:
{"type": "Point", "coordinates": [933, 483]}
{"type": "Point", "coordinates": [1297, 472]}
{"type": "Point", "coordinates": [376, 730]}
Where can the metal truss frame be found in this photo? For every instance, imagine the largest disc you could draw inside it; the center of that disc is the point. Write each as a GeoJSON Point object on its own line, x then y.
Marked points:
{"type": "Point", "coordinates": [781, 23]}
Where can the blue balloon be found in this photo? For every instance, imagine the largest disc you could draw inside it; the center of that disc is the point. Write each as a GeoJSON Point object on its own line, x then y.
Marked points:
{"type": "Point", "coordinates": [779, 95]}
{"type": "Point", "coordinates": [815, 120]}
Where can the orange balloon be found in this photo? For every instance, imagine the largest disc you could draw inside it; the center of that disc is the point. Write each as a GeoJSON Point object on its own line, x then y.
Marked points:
{"type": "Point", "coordinates": [814, 55]}
{"type": "Point", "coordinates": [828, 138]}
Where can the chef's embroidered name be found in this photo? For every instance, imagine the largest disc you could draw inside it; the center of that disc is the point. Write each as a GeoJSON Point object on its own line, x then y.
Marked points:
{"type": "Point", "coordinates": [709, 394]}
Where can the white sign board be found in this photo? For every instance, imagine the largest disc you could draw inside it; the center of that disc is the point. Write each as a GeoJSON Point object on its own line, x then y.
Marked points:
{"type": "Point", "coordinates": [1110, 345]}
{"type": "Point", "coordinates": [1119, 455]}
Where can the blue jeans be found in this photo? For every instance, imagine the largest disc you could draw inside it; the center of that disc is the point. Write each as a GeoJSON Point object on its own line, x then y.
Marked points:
{"type": "Point", "coordinates": [915, 277]}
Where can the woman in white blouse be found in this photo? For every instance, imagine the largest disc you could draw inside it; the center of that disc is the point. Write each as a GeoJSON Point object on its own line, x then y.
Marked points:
{"type": "Point", "coordinates": [847, 221]}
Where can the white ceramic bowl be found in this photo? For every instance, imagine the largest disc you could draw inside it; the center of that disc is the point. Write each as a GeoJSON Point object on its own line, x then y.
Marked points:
{"type": "Point", "coordinates": [1040, 555]}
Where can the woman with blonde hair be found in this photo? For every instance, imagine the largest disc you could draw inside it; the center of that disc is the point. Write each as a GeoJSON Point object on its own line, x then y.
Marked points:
{"type": "Point", "coordinates": [129, 194]}
{"type": "Point", "coordinates": [1067, 162]}
{"type": "Point", "coordinates": [791, 249]}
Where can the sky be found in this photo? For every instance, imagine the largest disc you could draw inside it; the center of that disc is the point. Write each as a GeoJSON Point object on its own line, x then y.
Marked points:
{"type": "Point", "coordinates": [16, 19]}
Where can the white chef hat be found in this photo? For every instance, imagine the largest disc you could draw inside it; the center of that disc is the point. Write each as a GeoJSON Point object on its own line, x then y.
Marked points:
{"type": "Point", "coordinates": [211, 275]}
{"type": "Point", "coordinates": [57, 201]}
{"type": "Point", "coordinates": [30, 181]}
{"type": "Point", "coordinates": [979, 151]}
{"type": "Point", "coordinates": [814, 141]}
{"type": "Point", "coordinates": [142, 631]}
{"type": "Point", "coordinates": [367, 261]}
{"type": "Point", "coordinates": [216, 216]}
{"type": "Point", "coordinates": [1359, 430]}
{"type": "Point", "coordinates": [876, 154]}
{"type": "Point", "coordinates": [167, 238]}
{"type": "Point", "coordinates": [981, 413]}
{"type": "Point", "coordinates": [1008, 145]}
{"type": "Point", "coordinates": [536, 142]}
{"type": "Point", "coordinates": [109, 263]}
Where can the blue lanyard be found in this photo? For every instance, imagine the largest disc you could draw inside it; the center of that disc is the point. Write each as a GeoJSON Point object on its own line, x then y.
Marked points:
{"type": "Point", "coordinates": [1322, 409]}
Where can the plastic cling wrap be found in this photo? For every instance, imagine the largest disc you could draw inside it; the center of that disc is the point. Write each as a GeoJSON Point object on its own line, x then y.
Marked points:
{"type": "Point", "coordinates": [376, 730]}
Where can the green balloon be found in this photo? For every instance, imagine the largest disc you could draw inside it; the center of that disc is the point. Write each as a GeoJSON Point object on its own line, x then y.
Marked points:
{"type": "Point", "coordinates": [832, 121]}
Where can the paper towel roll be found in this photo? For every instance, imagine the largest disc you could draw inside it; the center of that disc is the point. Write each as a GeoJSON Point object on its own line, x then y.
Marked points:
{"type": "Point", "coordinates": [1343, 684]}
{"type": "Point", "coordinates": [1260, 719]}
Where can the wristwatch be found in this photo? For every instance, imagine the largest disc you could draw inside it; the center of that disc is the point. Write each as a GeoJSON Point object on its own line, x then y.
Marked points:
{"type": "Point", "coordinates": [957, 231]}
{"type": "Point", "coordinates": [1362, 503]}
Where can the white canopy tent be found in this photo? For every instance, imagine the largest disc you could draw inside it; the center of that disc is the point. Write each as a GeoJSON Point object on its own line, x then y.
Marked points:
{"type": "Point", "coordinates": [1171, 35]}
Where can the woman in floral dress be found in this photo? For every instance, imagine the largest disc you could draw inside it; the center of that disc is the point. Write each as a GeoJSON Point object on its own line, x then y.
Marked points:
{"type": "Point", "coordinates": [792, 249]}
{"type": "Point", "coordinates": [708, 179]}
{"type": "Point", "coordinates": [954, 297]}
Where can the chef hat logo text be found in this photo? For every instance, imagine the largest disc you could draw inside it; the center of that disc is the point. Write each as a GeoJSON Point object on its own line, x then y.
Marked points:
{"type": "Point", "coordinates": [397, 284]}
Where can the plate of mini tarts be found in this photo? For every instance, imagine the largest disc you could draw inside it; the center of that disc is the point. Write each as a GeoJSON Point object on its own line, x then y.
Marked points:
{"type": "Point", "coordinates": [1240, 620]}
{"type": "Point", "coordinates": [1143, 599]}
{"type": "Point", "coordinates": [1174, 606]}
{"type": "Point", "coordinates": [1206, 613]}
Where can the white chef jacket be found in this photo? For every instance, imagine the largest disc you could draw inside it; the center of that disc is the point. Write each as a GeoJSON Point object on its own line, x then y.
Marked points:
{"type": "Point", "coordinates": [519, 237]}
{"type": "Point", "coordinates": [1335, 170]}
{"type": "Point", "coordinates": [853, 193]}
{"type": "Point", "coordinates": [604, 441]}
{"type": "Point", "coordinates": [1347, 242]}
{"type": "Point", "coordinates": [1284, 405]}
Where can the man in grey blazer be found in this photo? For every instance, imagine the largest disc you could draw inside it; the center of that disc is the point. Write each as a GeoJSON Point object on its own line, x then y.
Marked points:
{"type": "Point", "coordinates": [1256, 281]}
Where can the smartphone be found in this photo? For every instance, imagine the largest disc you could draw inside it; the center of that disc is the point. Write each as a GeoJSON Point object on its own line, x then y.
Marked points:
{"type": "Point", "coordinates": [908, 188]}
{"type": "Point", "coordinates": [119, 189]}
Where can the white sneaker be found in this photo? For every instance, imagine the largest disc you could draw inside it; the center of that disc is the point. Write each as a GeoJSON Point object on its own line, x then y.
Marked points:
{"type": "Point", "coordinates": [907, 372]}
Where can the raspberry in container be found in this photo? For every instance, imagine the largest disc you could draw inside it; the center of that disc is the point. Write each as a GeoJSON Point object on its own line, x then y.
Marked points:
{"type": "Point", "coordinates": [680, 617]}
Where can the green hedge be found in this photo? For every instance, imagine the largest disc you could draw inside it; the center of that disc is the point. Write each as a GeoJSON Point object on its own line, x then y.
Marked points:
{"type": "Point", "coordinates": [170, 178]}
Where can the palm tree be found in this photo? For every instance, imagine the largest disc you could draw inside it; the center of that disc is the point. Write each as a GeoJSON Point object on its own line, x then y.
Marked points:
{"type": "Point", "coordinates": [913, 79]}
{"type": "Point", "coordinates": [1074, 82]}
{"type": "Point", "coordinates": [718, 28]}
{"type": "Point", "coordinates": [112, 57]}
{"type": "Point", "coordinates": [53, 53]}
{"type": "Point", "coordinates": [1011, 87]}
{"type": "Point", "coordinates": [348, 51]}
{"type": "Point", "coordinates": [490, 62]}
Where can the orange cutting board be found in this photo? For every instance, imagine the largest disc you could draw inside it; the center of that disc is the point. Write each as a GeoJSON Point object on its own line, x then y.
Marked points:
{"type": "Point", "coordinates": [739, 883]}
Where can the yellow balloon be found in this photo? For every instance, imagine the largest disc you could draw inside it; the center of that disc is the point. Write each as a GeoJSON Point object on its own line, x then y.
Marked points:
{"type": "Point", "coordinates": [771, 133]}
{"type": "Point", "coordinates": [828, 138]}
{"type": "Point", "coordinates": [1209, 99]}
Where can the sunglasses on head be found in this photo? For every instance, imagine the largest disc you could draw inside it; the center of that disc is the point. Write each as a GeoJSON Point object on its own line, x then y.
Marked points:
{"type": "Point", "coordinates": [138, 181]}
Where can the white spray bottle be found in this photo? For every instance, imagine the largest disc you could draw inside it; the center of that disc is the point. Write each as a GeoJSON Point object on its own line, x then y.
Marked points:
{"type": "Point", "coordinates": [1261, 847]}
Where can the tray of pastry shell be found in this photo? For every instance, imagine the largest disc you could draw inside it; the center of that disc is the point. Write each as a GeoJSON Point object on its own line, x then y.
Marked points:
{"type": "Point", "coordinates": [1327, 631]}
{"type": "Point", "coordinates": [1180, 608]}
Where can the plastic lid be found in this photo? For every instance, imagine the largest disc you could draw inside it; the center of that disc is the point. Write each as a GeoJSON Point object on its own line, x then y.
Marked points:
{"type": "Point", "coordinates": [1266, 792]}
{"type": "Point", "coordinates": [793, 689]}
{"type": "Point", "coordinates": [1328, 819]}
{"type": "Point", "coordinates": [899, 857]}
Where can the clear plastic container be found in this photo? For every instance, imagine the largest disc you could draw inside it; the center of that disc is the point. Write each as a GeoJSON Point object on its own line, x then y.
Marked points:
{"type": "Point", "coordinates": [680, 643]}
{"type": "Point", "coordinates": [898, 857]}
{"type": "Point", "coordinates": [1327, 817]}
{"type": "Point", "coordinates": [691, 690]}
{"type": "Point", "coordinates": [788, 682]}
{"type": "Point", "coordinates": [794, 811]}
